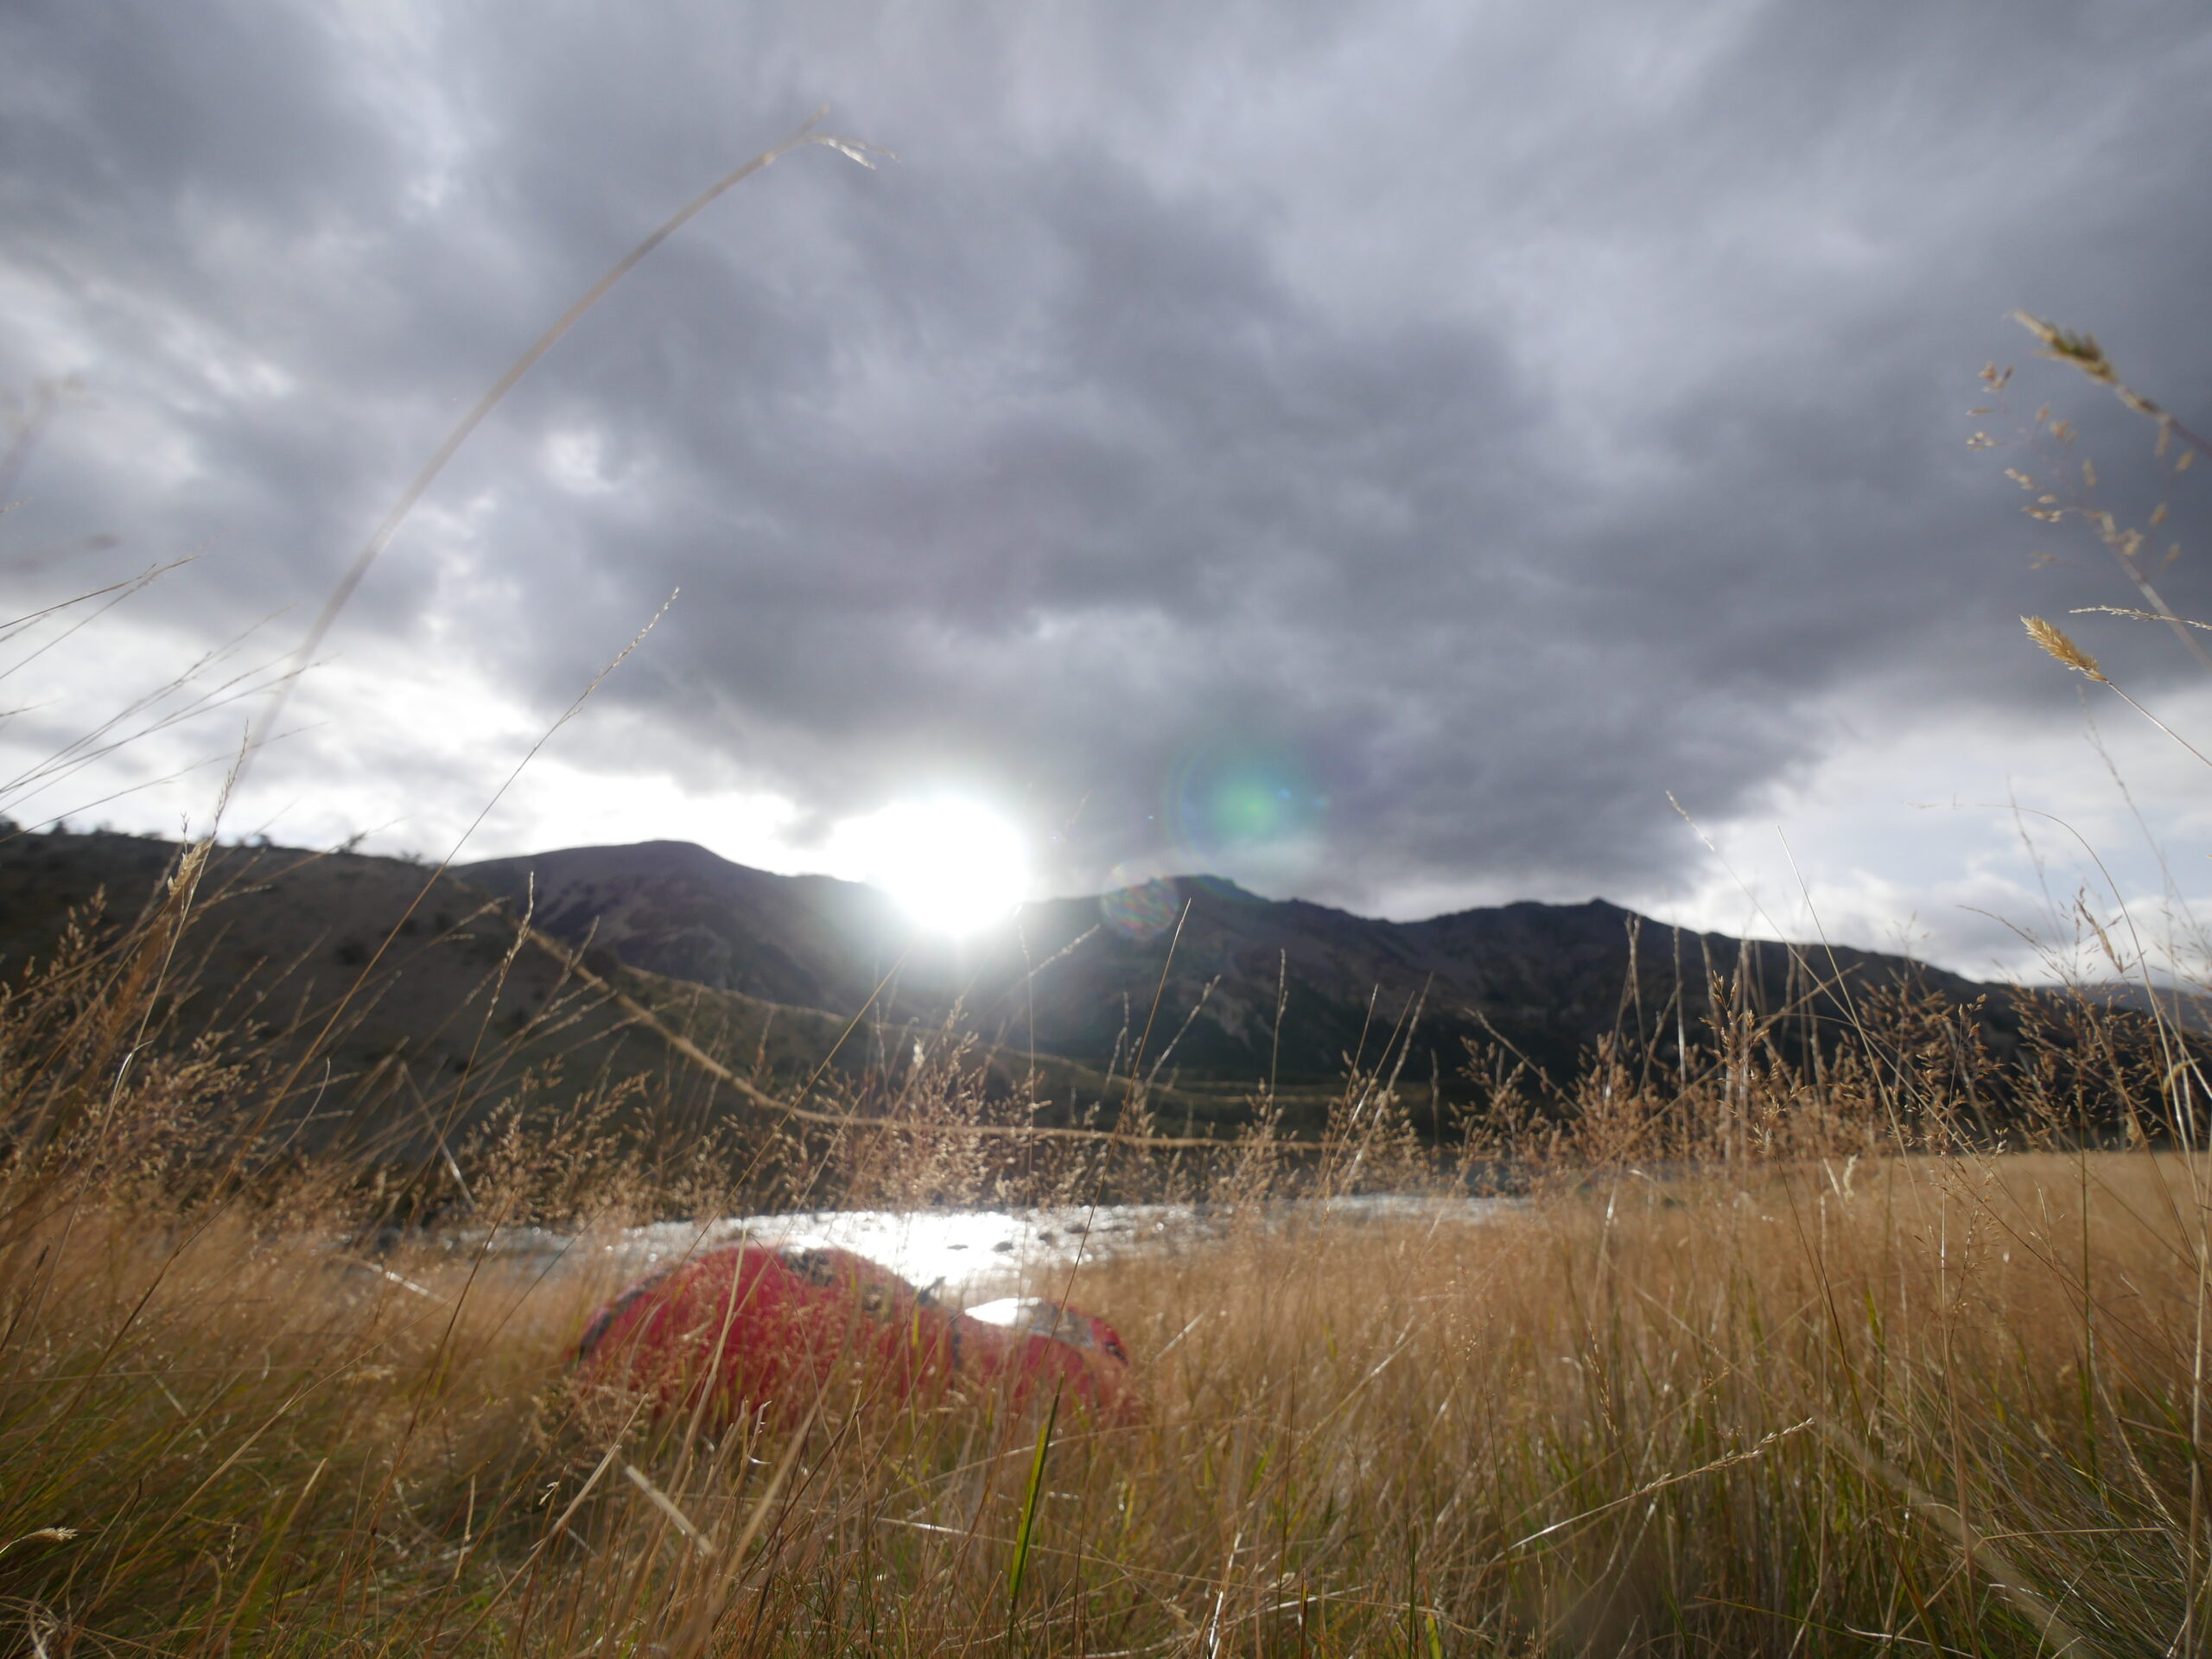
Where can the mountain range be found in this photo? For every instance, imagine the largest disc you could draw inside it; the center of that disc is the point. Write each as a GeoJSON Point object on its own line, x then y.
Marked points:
{"type": "Point", "coordinates": [424, 1002]}
{"type": "Point", "coordinates": [1192, 975]}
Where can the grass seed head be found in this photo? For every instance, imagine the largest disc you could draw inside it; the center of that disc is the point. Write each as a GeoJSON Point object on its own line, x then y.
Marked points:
{"type": "Point", "coordinates": [2080, 350]}
{"type": "Point", "coordinates": [2053, 639]}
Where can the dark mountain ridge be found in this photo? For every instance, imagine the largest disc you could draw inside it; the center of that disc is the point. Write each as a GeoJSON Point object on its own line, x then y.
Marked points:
{"type": "Point", "coordinates": [444, 1009]}
{"type": "Point", "coordinates": [1246, 987]}
{"type": "Point", "coordinates": [405, 1005]}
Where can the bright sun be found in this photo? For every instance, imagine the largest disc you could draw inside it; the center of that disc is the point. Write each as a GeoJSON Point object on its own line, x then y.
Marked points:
{"type": "Point", "coordinates": [953, 866]}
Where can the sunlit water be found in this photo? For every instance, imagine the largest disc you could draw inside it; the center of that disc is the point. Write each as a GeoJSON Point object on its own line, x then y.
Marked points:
{"type": "Point", "coordinates": [963, 1256]}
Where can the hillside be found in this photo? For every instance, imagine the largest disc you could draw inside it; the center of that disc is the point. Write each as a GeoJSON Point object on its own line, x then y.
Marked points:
{"type": "Point", "coordinates": [404, 1028]}
{"type": "Point", "coordinates": [1254, 987]}
{"type": "Point", "coordinates": [412, 1007]}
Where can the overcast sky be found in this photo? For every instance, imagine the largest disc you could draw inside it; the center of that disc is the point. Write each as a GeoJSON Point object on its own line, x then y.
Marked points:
{"type": "Point", "coordinates": [1374, 451]}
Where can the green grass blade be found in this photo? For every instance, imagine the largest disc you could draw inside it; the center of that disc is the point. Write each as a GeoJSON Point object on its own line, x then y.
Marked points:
{"type": "Point", "coordinates": [1020, 1566]}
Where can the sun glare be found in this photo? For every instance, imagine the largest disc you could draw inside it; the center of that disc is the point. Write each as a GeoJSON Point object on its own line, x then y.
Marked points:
{"type": "Point", "coordinates": [953, 866]}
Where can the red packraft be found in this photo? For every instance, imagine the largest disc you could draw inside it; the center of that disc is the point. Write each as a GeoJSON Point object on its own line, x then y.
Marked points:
{"type": "Point", "coordinates": [754, 1327]}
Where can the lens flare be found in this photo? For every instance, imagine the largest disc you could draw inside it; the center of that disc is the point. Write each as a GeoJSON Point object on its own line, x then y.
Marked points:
{"type": "Point", "coordinates": [954, 866]}
{"type": "Point", "coordinates": [1228, 803]}
{"type": "Point", "coordinates": [1137, 904]}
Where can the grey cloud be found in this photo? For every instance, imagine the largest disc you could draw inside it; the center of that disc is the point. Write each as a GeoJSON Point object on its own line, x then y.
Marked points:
{"type": "Point", "coordinates": [1478, 435]}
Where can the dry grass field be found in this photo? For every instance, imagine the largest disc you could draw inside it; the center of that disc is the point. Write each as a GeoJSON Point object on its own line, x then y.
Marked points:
{"type": "Point", "coordinates": [1759, 1361]}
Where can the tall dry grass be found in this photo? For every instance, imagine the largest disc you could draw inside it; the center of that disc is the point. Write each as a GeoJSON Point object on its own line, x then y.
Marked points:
{"type": "Point", "coordinates": [1819, 1356]}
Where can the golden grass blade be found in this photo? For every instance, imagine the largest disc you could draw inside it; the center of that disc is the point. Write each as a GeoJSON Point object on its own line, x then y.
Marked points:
{"type": "Point", "coordinates": [666, 1505]}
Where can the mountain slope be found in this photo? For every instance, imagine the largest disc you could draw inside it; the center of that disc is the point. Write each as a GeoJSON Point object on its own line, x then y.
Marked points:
{"type": "Point", "coordinates": [437, 1022]}
{"type": "Point", "coordinates": [1244, 986]}
{"type": "Point", "coordinates": [401, 1026]}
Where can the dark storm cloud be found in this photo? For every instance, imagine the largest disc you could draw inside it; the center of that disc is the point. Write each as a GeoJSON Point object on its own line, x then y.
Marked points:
{"type": "Point", "coordinates": [1468, 434]}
